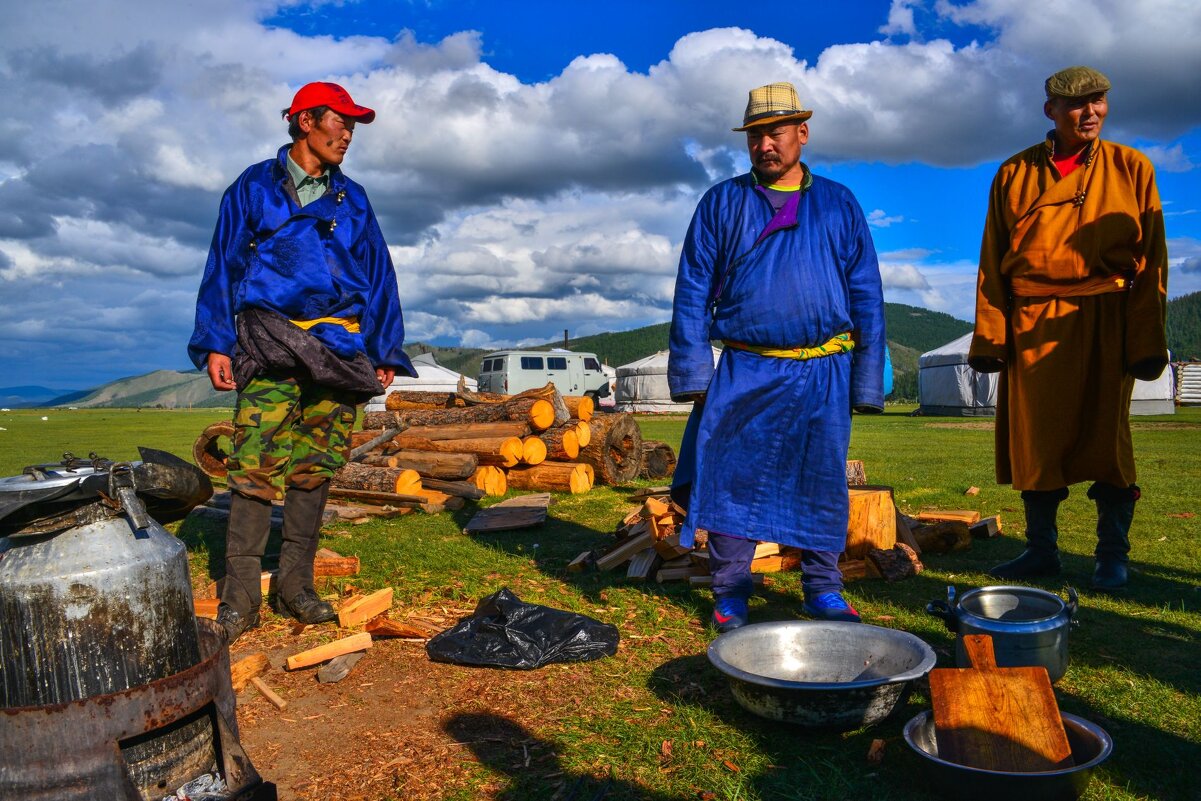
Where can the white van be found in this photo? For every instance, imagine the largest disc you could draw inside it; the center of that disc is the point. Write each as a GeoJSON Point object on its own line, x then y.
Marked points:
{"type": "Point", "coordinates": [513, 371]}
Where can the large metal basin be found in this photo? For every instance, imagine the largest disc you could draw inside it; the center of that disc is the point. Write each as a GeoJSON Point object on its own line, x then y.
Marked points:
{"type": "Point", "coordinates": [1091, 745]}
{"type": "Point", "coordinates": [825, 675]}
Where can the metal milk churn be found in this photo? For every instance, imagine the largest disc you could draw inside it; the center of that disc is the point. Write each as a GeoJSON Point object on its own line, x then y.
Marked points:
{"type": "Point", "coordinates": [95, 596]}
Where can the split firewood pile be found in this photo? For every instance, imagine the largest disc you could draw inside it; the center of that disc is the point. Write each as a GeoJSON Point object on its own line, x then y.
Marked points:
{"type": "Point", "coordinates": [372, 613]}
{"type": "Point", "coordinates": [881, 541]}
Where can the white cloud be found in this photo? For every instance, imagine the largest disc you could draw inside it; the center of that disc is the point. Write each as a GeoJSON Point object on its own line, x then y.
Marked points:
{"type": "Point", "coordinates": [902, 276]}
{"type": "Point", "coordinates": [513, 209]}
{"type": "Point", "coordinates": [900, 19]}
{"type": "Point", "coordinates": [879, 219]}
{"type": "Point", "coordinates": [1168, 159]}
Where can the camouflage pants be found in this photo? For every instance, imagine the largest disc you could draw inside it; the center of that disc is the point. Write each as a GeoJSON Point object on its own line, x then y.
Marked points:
{"type": "Point", "coordinates": [287, 433]}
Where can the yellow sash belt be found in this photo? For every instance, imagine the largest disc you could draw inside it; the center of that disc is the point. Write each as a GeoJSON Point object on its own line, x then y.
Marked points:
{"type": "Point", "coordinates": [351, 324]}
{"type": "Point", "coordinates": [842, 343]}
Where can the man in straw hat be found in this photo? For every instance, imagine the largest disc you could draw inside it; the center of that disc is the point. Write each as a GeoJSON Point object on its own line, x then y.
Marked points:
{"type": "Point", "coordinates": [297, 311]}
{"type": "Point", "coordinates": [779, 265]}
{"type": "Point", "coordinates": [1070, 308]}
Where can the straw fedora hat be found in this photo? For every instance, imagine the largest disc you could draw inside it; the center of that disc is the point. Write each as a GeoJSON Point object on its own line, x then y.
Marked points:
{"type": "Point", "coordinates": [776, 102]}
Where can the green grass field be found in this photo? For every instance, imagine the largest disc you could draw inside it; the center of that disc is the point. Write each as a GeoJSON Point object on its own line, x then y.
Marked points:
{"type": "Point", "coordinates": [1134, 658]}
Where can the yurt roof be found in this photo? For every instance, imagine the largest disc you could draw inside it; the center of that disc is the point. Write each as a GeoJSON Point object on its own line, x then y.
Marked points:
{"type": "Point", "coordinates": [653, 364]}
{"type": "Point", "coordinates": [954, 352]}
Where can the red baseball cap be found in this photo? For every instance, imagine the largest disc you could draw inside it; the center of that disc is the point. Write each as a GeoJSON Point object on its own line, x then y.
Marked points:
{"type": "Point", "coordinates": [320, 93]}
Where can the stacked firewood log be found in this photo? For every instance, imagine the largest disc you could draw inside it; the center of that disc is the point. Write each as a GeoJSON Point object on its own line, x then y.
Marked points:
{"type": "Point", "coordinates": [434, 450]}
{"type": "Point", "coordinates": [538, 440]}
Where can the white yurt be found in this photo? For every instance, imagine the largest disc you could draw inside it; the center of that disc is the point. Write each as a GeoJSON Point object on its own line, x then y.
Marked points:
{"type": "Point", "coordinates": [1155, 397]}
{"type": "Point", "coordinates": [431, 377]}
{"type": "Point", "coordinates": [947, 386]}
{"type": "Point", "coordinates": [642, 385]}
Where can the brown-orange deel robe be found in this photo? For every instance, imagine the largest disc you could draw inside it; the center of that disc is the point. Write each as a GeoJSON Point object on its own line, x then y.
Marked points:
{"type": "Point", "coordinates": [1071, 297]}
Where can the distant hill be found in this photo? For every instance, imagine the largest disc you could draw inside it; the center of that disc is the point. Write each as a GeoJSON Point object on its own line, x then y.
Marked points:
{"type": "Point", "coordinates": [1184, 327]}
{"type": "Point", "coordinates": [911, 332]}
{"type": "Point", "coordinates": [166, 389]}
{"type": "Point", "coordinates": [622, 347]}
{"type": "Point", "coordinates": [26, 397]}
{"type": "Point", "coordinates": [921, 329]}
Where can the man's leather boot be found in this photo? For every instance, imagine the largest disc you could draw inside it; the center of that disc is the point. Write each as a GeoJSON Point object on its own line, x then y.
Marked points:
{"type": "Point", "coordinates": [294, 593]}
{"type": "Point", "coordinates": [1115, 513]}
{"type": "Point", "coordinates": [1041, 557]}
{"type": "Point", "coordinates": [245, 541]}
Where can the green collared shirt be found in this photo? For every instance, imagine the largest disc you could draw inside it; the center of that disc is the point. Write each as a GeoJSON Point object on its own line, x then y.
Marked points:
{"type": "Point", "coordinates": [308, 188]}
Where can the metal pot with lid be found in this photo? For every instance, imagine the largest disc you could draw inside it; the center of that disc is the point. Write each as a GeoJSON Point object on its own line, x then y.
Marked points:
{"type": "Point", "coordinates": [1028, 626]}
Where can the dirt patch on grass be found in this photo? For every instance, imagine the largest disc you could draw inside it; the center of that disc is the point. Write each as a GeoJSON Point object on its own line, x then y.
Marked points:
{"type": "Point", "coordinates": [394, 727]}
{"type": "Point", "coordinates": [1151, 424]}
{"type": "Point", "coordinates": [973, 424]}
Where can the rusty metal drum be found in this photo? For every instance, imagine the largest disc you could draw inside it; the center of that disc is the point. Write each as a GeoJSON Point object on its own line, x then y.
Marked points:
{"type": "Point", "coordinates": [95, 598]}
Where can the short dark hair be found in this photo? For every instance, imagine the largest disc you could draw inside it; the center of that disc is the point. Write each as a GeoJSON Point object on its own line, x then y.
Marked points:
{"type": "Point", "coordinates": [318, 112]}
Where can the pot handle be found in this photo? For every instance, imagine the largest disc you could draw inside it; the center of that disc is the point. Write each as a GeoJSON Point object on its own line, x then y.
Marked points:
{"type": "Point", "coordinates": [945, 610]}
{"type": "Point", "coordinates": [1072, 606]}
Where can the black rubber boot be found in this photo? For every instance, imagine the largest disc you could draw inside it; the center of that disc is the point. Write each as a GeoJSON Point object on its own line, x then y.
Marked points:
{"type": "Point", "coordinates": [1115, 513]}
{"type": "Point", "coordinates": [294, 593]}
{"type": "Point", "coordinates": [245, 541]}
{"type": "Point", "coordinates": [1041, 557]}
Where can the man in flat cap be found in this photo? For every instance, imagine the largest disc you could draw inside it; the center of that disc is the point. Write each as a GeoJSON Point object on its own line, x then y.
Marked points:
{"type": "Point", "coordinates": [1070, 307]}
{"type": "Point", "coordinates": [298, 311]}
{"type": "Point", "coordinates": [779, 265]}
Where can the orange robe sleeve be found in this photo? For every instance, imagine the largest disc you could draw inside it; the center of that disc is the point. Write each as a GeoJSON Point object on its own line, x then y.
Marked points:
{"type": "Point", "coordinates": [990, 342]}
{"type": "Point", "coordinates": [1146, 311]}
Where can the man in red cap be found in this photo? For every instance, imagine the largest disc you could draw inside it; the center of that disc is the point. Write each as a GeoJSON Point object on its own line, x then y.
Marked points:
{"type": "Point", "coordinates": [298, 311]}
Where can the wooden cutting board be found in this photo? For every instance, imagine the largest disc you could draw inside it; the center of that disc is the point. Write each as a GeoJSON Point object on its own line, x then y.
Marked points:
{"type": "Point", "coordinates": [1003, 719]}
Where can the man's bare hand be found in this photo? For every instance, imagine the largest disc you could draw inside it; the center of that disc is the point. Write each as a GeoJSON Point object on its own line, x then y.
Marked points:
{"type": "Point", "coordinates": [385, 376]}
{"type": "Point", "coordinates": [221, 372]}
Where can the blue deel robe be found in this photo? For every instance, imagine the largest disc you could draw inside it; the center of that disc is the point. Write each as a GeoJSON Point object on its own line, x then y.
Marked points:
{"type": "Point", "coordinates": [764, 455]}
{"type": "Point", "coordinates": [327, 259]}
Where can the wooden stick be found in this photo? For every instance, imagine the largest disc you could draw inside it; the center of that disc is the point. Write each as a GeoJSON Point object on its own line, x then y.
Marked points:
{"type": "Point", "coordinates": [269, 694]}
{"type": "Point", "coordinates": [462, 489]}
{"type": "Point", "coordinates": [386, 498]}
{"type": "Point", "coordinates": [329, 566]}
{"type": "Point", "coordinates": [383, 626]}
{"type": "Point", "coordinates": [206, 607]}
{"type": "Point", "coordinates": [247, 668]}
{"type": "Point", "coordinates": [322, 653]}
{"type": "Point", "coordinates": [361, 610]}
{"type": "Point", "coordinates": [369, 445]}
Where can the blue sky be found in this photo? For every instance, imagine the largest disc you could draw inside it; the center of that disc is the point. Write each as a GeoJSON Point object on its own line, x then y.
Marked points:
{"type": "Point", "coordinates": [534, 164]}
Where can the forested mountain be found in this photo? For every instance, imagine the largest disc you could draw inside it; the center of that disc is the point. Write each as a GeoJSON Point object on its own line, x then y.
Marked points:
{"type": "Point", "coordinates": [1184, 327]}
{"type": "Point", "coordinates": [921, 329]}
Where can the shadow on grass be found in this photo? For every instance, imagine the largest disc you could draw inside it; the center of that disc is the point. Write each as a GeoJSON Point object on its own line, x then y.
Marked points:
{"type": "Point", "coordinates": [1147, 762]}
{"type": "Point", "coordinates": [806, 763]}
{"type": "Point", "coordinates": [532, 766]}
{"type": "Point", "coordinates": [1138, 641]}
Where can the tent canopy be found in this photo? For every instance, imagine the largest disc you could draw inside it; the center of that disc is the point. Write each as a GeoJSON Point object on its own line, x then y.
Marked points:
{"type": "Point", "coordinates": [948, 386]}
{"type": "Point", "coordinates": [642, 385]}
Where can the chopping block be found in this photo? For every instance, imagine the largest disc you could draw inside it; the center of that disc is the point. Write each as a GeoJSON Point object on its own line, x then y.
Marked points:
{"type": "Point", "coordinates": [1003, 719]}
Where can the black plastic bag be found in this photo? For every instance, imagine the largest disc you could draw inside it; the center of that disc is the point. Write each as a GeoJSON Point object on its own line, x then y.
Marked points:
{"type": "Point", "coordinates": [504, 631]}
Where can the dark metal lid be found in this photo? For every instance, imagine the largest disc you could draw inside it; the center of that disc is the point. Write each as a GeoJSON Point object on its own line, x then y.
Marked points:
{"type": "Point", "coordinates": [47, 498]}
